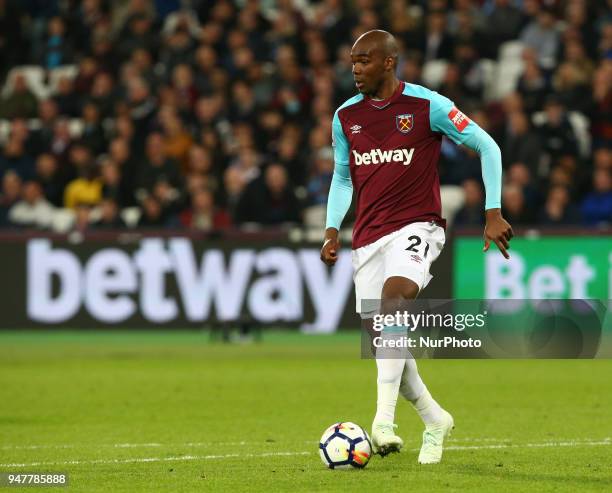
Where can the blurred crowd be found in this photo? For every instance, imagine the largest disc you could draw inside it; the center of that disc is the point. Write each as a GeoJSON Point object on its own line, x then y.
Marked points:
{"type": "Point", "coordinates": [210, 114]}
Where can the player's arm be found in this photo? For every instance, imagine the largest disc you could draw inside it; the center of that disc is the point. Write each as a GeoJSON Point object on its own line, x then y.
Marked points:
{"type": "Point", "coordinates": [340, 194]}
{"type": "Point", "coordinates": [447, 119]}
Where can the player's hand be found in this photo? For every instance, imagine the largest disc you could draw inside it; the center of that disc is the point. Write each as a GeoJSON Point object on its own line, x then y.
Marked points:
{"type": "Point", "coordinates": [498, 231]}
{"type": "Point", "coordinates": [331, 246]}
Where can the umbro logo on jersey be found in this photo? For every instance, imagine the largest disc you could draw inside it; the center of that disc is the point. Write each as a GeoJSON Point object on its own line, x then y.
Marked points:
{"type": "Point", "coordinates": [378, 156]}
{"type": "Point", "coordinates": [355, 129]}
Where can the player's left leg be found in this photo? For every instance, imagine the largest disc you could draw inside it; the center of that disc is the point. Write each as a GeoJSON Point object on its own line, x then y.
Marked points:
{"type": "Point", "coordinates": [407, 272]}
{"type": "Point", "coordinates": [438, 422]}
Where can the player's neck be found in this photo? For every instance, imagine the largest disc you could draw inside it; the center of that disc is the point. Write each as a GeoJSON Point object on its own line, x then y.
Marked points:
{"type": "Point", "coordinates": [386, 90]}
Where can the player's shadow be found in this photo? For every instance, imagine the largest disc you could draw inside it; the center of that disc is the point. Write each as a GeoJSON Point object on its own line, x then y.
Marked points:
{"type": "Point", "coordinates": [503, 470]}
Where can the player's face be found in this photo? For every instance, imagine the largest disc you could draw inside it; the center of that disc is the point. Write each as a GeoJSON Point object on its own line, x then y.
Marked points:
{"type": "Point", "coordinates": [368, 70]}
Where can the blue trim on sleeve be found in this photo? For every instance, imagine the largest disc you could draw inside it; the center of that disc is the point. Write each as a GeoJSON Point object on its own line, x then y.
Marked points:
{"type": "Point", "coordinates": [341, 189]}
{"type": "Point", "coordinates": [472, 136]}
{"type": "Point", "coordinates": [490, 161]}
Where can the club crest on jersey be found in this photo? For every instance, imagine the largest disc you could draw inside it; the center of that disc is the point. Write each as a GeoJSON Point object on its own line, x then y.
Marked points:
{"type": "Point", "coordinates": [404, 123]}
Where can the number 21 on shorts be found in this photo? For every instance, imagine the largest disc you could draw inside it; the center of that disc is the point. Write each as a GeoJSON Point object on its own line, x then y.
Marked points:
{"type": "Point", "coordinates": [414, 243]}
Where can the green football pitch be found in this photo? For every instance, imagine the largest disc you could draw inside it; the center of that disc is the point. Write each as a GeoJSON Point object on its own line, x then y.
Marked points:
{"type": "Point", "coordinates": [145, 412]}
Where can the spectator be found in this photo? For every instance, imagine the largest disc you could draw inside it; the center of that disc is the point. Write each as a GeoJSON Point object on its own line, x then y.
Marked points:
{"type": "Point", "coordinates": [597, 206]}
{"type": "Point", "coordinates": [472, 211]}
{"type": "Point", "coordinates": [558, 210]}
{"type": "Point", "coordinates": [86, 188]}
{"type": "Point", "coordinates": [67, 100]}
{"type": "Point", "coordinates": [288, 154]}
{"type": "Point", "coordinates": [121, 155]}
{"type": "Point", "coordinates": [542, 35]}
{"type": "Point", "coordinates": [244, 106]}
{"type": "Point", "coordinates": [234, 185]}
{"type": "Point", "coordinates": [521, 143]}
{"type": "Point", "coordinates": [320, 180]}
{"type": "Point", "coordinates": [33, 210]}
{"type": "Point", "coordinates": [82, 218]}
{"type": "Point", "coordinates": [201, 163]}
{"type": "Point", "coordinates": [142, 62]}
{"type": "Point", "coordinates": [152, 214]}
{"type": "Point", "coordinates": [141, 106]}
{"type": "Point", "coordinates": [40, 138]}
{"type": "Point", "coordinates": [48, 176]}
{"type": "Point", "coordinates": [576, 17]}
{"type": "Point", "coordinates": [184, 88]}
{"type": "Point", "coordinates": [532, 85]}
{"type": "Point", "coordinates": [204, 215]}
{"type": "Point", "coordinates": [15, 157]}
{"type": "Point", "coordinates": [84, 80]}
{"type": "Point", "coordinates": [514, 207]}
{"type": "Point", "coordinates": [156, 167]}
{"type": "Point", "coordinates": [93, 132]}
{"type": "Point", "coordinates": [57, 50]}
{"type": "Point", "coordinates": [177, 141]}
{"type": "Point", "coordinates": [602, 106]}
{"type": "Point", "coordinates": [171, 201]}
{"type": "Point", "coordinates": [273, 190]}
{"type": "Point", "coordinates": [437, 42]}
{"type": "Point", "coordinates": [503, 24]}
{"type": "Point", "coordinates": [11, 193]}
{"type": "Point", "coordinates": [205, 63]}
{"type": "Point", "coordinates": [138, 34]}
{"type": "Point", "coordinates": [557, 134]}
{"type": "Point", "coordinates": [519, 174]}
{"type": "Point", "coordinates": [20, 102]}
{"type": "Point", "coordinates": [103, 94]}
{"type": "Point", "coordinates": [571, 86]}
{"type": "Point", "coordinates": [61, 140]}
{"type": "Point", "coordinates": [177, 47]}
{"type": "Point", "coordinates": [602, 159]}
{"type": "Point", "coordinates": [110, 175]}
{"type": "Point", "coordinates": [109, 215]}
{"type": "Point", "coordinates": [247, 164]}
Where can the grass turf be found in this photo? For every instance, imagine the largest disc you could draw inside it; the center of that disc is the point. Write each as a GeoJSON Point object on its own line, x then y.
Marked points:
{"type": "Point", "coordinates": [143, 412]}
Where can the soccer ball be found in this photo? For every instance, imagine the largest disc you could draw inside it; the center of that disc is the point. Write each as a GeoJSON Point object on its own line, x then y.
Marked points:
{"type": "Point", "coordinates": [345, 445]}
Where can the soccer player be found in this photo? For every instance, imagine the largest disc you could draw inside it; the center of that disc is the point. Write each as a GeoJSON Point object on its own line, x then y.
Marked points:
{"type": "Point", "coordinates": [386, 147]}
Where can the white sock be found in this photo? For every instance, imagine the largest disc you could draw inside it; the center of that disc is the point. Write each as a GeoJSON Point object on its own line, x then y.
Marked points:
{"type": "Point", "coordinates": [414, 390]}
{"type": "Point", "coordinates": [428, 409]}
{"type": "Point", "coordinates": [389, 377]}
{"type": "Point", "coordinates": [411, 385]}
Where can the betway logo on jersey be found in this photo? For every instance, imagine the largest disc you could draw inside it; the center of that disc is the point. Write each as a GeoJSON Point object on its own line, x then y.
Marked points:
{"type": "Point", "coordinates": [378, 156]}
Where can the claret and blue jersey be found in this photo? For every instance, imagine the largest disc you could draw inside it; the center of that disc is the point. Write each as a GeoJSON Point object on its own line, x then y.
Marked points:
{"type": "Point", "coordinates": [388, 152]}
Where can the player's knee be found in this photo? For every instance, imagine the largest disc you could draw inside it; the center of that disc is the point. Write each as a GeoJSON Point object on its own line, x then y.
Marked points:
{"type": "Point", "coordinates": [397, 290]}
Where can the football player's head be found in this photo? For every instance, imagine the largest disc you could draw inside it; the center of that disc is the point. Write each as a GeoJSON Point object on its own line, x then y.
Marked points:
{"type": "Point", "coordinates": [374, 59]}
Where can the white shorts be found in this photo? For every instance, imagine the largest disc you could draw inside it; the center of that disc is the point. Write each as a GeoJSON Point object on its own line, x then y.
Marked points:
{"type": "Point", "coordinates": [407, 252]}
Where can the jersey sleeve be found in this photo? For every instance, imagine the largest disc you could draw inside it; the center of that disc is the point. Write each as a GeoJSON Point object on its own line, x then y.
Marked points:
{"type": "Point", "coordinates": [446, 118]}
{"type": "Point", "coordinates": [339, 142]}
{"type": "Point", "coordinates": [341, 189]}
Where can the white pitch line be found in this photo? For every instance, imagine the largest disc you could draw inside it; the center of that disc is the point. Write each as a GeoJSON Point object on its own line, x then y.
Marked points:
{"type": "Point", "coordinates": [151, 459]}
{"type": "Point", "coordinates": [604, 442]}
{"type": "Point", "coordinates": [127, 445]}
{"type": "Point", "coordinates": [500, 441]}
